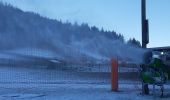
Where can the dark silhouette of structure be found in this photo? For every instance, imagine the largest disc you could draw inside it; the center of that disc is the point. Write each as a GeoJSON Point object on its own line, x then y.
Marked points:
{"type": "Point", "coordinates": [145, 25]}
{"type": "Point", "coordinates": [145, 41]}
{"type": "Point", "coordinates": [145, 37]}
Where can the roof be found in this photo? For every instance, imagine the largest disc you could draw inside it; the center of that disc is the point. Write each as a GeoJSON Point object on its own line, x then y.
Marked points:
{"type": "Point", "coordinates": [161, 49]}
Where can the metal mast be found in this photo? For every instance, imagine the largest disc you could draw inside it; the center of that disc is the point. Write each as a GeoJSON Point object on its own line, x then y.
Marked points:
{"type": "Point", "coordinates": [145, 26]}
{"type": "Point", "coordinates": [145, 37]}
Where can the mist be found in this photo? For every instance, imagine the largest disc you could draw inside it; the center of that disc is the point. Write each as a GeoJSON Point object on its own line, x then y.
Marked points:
{"type": "Point", "coordinates": [31, 34]}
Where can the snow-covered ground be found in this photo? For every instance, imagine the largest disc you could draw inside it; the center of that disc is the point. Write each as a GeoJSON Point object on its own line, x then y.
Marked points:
{"type": "Point", "coordinates": [37, 82]}
{"type": "Point", "coordinates": [17, 83]}
{"type": "Point", "coordinates": [70, 92]}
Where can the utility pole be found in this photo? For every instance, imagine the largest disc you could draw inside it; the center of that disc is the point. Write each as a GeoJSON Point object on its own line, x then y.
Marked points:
{"type": "Point", "coordinates": [145, 26]}
{"type": "Point", "coordinates": [145, 37]}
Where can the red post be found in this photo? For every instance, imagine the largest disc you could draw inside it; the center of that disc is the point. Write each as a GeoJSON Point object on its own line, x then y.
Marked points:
{"type": "Point", "coordinates": [114, 75]}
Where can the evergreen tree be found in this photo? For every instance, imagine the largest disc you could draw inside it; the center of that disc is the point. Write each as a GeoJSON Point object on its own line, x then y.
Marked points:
{"type": "Point", "coordinates": [134, 42]}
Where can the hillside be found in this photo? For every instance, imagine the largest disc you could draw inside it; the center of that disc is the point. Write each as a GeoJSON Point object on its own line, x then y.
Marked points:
{"type": "Point", "coordinates": [22, 32]}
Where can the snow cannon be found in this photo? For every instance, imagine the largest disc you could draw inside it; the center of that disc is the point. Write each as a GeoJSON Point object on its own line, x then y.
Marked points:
{"type": "Point", "coordinates": [153, 72]}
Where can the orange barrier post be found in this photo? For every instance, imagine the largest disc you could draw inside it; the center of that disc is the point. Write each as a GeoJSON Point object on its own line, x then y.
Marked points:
{"type": "Point", "coordinates": [114, 75]}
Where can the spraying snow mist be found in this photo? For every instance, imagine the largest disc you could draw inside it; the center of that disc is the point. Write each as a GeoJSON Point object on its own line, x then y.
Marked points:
{"type": "Point", "coordinates": [30, 34]}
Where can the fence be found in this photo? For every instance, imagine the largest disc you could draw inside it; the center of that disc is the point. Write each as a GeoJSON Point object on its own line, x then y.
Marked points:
{"type": "Point", "coordinates": [40, 70]}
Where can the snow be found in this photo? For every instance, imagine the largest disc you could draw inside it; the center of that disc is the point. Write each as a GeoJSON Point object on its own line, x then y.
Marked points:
{"type": "Point", "coordinates": [19, 83]}
{"type": "Point", "coordinates": [63, 83]}
{"type": "Point", "coordinates": [71, 92]}
{"type": "Point", "coordinates": [33, 52]}
{"type": "Point", "coordinates": [29, 68]}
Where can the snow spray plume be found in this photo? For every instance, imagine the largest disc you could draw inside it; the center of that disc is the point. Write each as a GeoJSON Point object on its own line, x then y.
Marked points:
{"type": "Point", "coordinates": [64, 41]}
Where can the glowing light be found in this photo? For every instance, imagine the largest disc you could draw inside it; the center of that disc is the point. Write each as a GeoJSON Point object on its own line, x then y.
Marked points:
{"type": "Point", "coordinates": [162, 53]}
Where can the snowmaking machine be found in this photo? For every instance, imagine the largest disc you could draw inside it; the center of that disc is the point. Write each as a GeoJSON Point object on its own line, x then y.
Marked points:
{"type": "Point", "coordinates": [154, 71]}
{"type": "Point", "coordinates": [156, 67]}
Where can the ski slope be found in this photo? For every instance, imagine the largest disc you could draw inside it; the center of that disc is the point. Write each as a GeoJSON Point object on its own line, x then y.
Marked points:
{"type": "Point", "coordinates": [36, 82]}
{"type": "Point", "coordinates": [19, 83]}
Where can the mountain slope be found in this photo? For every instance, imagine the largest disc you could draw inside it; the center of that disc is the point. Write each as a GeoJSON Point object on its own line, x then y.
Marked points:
{"type": "Point", "coordinates": [22, 30]}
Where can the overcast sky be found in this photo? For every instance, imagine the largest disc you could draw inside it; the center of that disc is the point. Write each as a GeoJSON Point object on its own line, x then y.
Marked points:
{"type": "Point", "coordinates": [123, 16]}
